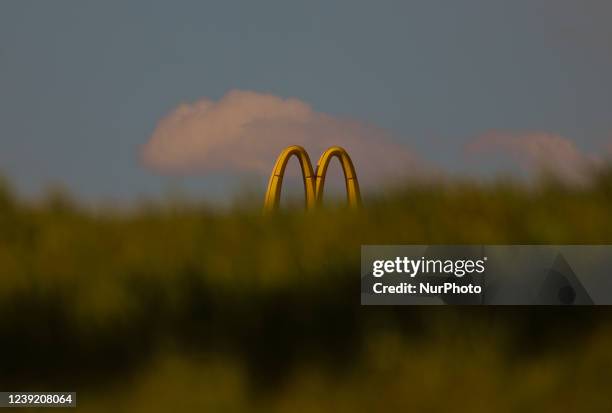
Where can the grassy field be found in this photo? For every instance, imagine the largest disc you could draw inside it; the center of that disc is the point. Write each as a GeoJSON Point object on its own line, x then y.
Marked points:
{"type": "Point", "coordinates": [179, 306]}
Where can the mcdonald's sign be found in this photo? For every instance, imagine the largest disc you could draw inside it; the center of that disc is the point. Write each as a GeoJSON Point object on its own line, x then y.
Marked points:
{"type": "Point", "coordinates": [314, 183]}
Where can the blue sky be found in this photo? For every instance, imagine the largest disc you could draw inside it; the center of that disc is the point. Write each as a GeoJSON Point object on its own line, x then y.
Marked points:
{"type": "Point", "coordinates": [83, 83]}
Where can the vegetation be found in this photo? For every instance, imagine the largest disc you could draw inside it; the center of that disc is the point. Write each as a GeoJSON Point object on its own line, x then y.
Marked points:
{"type": "Point", "coordinates": [179, 306]}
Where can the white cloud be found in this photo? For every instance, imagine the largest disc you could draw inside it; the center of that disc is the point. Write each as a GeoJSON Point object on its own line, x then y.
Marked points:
{"type": "Point", "coordinates": [244, 131]}
{"type": "Point", "coordinates": [540, 152]}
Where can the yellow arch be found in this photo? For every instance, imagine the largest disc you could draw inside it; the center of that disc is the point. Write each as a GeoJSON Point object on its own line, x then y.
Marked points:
{"type": "Point", "coordinates": [276, 178]}
{"type": "Point", "coordinates": [313, 184]}
{"type": "Point", "coordinates": [353, 194]}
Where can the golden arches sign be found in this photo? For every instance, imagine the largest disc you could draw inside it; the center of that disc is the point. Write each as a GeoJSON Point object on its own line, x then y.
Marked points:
{"type": "Point", "coordinates": [314, 182]}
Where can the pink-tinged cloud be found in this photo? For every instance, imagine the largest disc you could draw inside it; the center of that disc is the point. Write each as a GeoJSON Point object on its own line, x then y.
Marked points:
{"type": "Point", "coordinates": [540, 152]}
{"type": "Point", "coordinates": [244, 132]}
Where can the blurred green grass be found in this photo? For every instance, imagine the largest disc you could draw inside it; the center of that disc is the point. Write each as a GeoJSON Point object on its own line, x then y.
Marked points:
{"type": "Point", "coordinates": [178, 305]}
